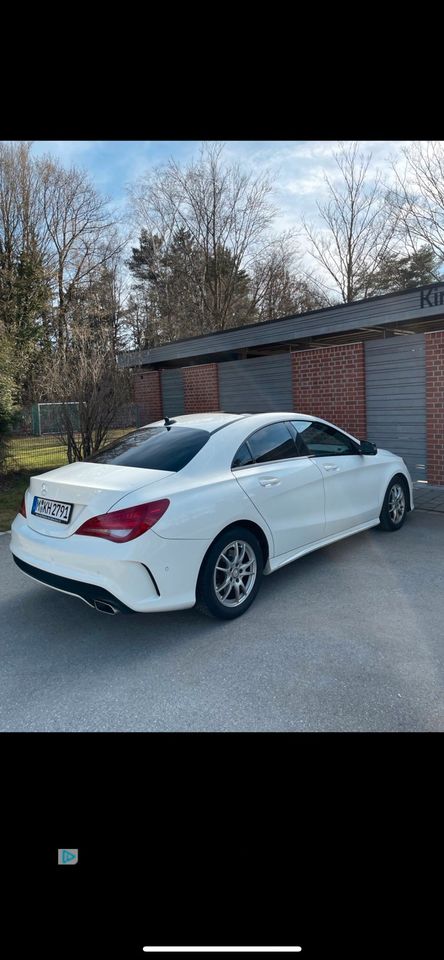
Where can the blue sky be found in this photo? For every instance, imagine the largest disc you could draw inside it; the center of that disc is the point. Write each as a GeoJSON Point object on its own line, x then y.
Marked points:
{"type": "Point", "coordinates": [297, 166]}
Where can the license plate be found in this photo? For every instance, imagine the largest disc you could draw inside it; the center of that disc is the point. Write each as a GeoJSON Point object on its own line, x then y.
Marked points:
{"type": "Point", "coordinates": [51, 509]}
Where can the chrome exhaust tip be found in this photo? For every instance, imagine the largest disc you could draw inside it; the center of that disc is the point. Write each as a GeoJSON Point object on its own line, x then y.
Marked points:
{"type": "Point", "coordinates": [103, 607]}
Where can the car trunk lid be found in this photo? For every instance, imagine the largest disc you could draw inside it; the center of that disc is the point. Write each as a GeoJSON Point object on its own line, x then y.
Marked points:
{"type": "Point", "coordinates": [91, 488]}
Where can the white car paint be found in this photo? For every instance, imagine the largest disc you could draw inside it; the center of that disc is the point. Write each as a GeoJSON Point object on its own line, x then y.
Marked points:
{"type": "Point", "coordinates": [306, 508]}
{"type": "Point", "coordinates": [92, 487]}
{"type": "Point", "coordinates": [289, 495]}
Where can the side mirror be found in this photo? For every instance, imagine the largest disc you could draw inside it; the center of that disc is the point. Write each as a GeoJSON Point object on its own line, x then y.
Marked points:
{"type": "Point", "coordinates": [367, 448]}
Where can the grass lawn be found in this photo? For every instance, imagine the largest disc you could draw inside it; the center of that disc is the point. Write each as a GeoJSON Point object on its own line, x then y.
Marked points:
{"type": "Point", "coordinates": [31, 456]}
{"type": "Point", "coordinates": [37, 453]}
{"type": "Point", "coordinates": [12, 488]}
{"type": "Point", "coordinates": [43, 453]}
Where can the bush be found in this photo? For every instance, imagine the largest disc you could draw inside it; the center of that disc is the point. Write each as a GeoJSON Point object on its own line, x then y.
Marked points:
{"type": "Point", "coordinates": [7, 397]}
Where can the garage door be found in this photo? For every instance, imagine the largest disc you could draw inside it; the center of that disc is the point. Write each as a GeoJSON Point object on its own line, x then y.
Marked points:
{"type": "Point", "coordinates": [256, 385]}
{"type": "Point", "coordinates": [172, 393]}
{"type": "Point", "coordinates": [396, 398]}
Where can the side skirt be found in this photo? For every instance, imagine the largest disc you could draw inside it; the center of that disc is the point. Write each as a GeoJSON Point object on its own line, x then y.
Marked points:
{"type": "Point", "coordinates": [276, 562]}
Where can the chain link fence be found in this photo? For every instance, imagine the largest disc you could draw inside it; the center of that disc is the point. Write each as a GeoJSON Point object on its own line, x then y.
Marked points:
{"type": "Point", "coordinates": [36, 444]}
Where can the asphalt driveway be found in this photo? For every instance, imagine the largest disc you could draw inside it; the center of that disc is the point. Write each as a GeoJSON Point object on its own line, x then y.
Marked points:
{"type": "Point", "coordinates": [348, 638]}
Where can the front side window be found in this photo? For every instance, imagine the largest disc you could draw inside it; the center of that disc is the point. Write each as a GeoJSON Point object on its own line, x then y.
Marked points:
{"type": "Point", "coordinates": [324, 441]}
{"type": "Point", "coordinates": [154, 448]}
{"type": "Point", "coordinates": [273, 442]}
{"type": "Point", "coordinates": [301, 449]}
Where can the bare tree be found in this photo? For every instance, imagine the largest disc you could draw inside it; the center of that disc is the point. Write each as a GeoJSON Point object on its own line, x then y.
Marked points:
{"type": "Point", "coordinates": [281, 286]}
{"type": "Point", "coordinates": [417, 199]}
{"type": "Point", "coordinates": [81, 233]}
{"type": "Point", "coordinates": [100, 301]}
{"type": "Point", "coordinates": [19, 199]}
{"type": "Point", "coordinates": [358, 233]}
{"type": "Point", "coordinates": [24, 286]}
{"type": "Point", "coordinates": [227, 215]}
{"type": "Point", "coordinates": [90, 388]}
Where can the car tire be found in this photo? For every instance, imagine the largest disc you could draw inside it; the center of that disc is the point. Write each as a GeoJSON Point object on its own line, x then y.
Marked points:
{"type": "Point", "coordinates": [394, 507]}
{"type": "Point", "coordinates": [229, 595]}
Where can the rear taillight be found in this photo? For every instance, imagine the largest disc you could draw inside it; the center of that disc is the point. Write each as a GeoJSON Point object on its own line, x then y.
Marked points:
{"type": "Point", "coordinates": [23, 506]}
{"type": "Point", "coordinates": [123, 525]}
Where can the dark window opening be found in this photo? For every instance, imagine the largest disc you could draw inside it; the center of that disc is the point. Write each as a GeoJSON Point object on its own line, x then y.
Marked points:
{"type": "Point", "coordinates": [301, 449]}
{"type": "Point", "coordinates": [273, 442]}
{"type": "Point", "coordinates": [324, 441]}
{"type": "Point", "coordinates": [154, 448]}
{"type": "Point", "coordinates": [243, 457]}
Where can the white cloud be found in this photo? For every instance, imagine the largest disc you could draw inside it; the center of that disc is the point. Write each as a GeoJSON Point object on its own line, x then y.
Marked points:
{"type": "Point", "coordinates": [68, 151]}
{"type": "Point", "coordinates": [297, 168]}
{"type": "Point", "coordinates": [312, 182]}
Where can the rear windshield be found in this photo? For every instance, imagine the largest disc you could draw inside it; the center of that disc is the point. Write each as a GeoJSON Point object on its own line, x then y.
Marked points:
{"type": "Point", "coordinates": [155, 448]}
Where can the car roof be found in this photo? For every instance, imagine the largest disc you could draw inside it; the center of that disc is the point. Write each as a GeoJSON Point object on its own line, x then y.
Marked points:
{"type": "Point", "coordinates": [208, 421]}
{"type": "Point", "coordinates": [213, 420]}
{"type": "Point", "coordinates": [216, 420]}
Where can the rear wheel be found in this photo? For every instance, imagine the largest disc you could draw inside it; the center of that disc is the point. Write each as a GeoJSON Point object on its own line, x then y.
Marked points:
{"type": "Point", "coordinates": [231, 574]}
{"type": "Point", "coordinates": [394, 508]}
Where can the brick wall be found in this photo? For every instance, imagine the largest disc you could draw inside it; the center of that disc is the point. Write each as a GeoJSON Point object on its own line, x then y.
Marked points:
{"type": "Point", "coordinates": [329, 382]}
{"type": "Point", "coordinates": [434, 360]}
{"type": "Point", "coordinates": [201, 388]}
{"type": "Point", "coordinates": [147, 395]}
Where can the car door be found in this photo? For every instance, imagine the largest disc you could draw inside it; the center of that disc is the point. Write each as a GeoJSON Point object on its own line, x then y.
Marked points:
{"type": "Point", "coordinates": [351, 486]}
{"type": "Point", "coordinates": [286, 488]}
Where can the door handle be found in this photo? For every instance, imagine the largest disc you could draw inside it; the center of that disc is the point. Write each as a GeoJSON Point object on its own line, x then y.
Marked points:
{"type": "Point", "coordinates": [269, 481]}
{"type": "Point", "coordinates": [330, 466]}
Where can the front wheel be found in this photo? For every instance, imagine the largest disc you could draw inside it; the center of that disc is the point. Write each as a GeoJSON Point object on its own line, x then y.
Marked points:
{"type": "Point", "coordinates": [231, 574]}
{"type": "Point", "coordinates": [394, 508]}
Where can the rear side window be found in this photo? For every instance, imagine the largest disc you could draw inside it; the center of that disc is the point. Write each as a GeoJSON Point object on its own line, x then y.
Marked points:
{"type": "Point", "coordinates": [273, 442]}
{"type": "Point", "coordinates": [154, 448]}
{"type": "Point", "coordinates": [242, 457]}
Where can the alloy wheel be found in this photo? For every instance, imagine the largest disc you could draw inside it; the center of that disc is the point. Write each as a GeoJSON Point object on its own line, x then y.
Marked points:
{"type": "Point", "coordinates": [396, 503]}
{"type": "Point", "coordinates": [235, 573]}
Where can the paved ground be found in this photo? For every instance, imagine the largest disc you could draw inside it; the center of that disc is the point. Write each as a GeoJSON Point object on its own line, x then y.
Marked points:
{"type": "Point", "coordinates": [428, 497]}
{"type": "Point", "coordinates": [347, 638]}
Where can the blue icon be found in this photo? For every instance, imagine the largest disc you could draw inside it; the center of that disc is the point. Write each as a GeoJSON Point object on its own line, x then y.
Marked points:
{"type": "Point", "coordinates": [68, 856]}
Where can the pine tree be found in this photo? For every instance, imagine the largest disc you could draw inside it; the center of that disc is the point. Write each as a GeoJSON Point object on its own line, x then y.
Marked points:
{"type": "Point", "coordinates": [401, 272]}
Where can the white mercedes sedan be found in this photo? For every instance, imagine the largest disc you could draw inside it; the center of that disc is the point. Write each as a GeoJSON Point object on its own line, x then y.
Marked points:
{"type": "Point", "coordinates": [196, 509]}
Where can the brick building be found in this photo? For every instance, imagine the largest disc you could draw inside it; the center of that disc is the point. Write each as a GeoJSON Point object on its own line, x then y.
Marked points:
{"type": "Point", "coordinates": [374, 367]}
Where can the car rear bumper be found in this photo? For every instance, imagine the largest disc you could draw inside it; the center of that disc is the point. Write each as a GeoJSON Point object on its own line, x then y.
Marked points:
{"type": "Point", "coordinates": [88, 592]}
{"type": "Point", "coordinates": [149, 574]}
